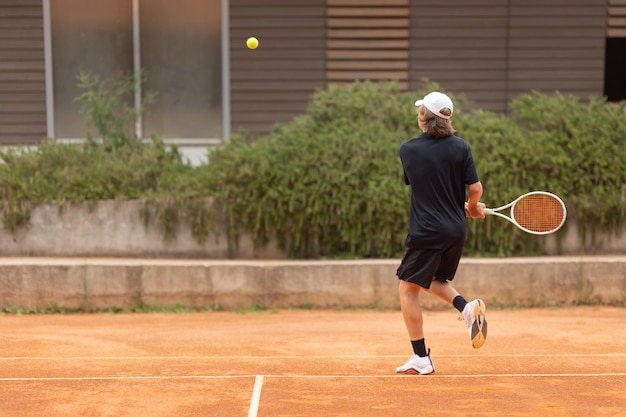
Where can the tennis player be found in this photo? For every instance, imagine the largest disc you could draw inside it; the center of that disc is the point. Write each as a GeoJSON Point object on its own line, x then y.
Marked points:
{"type": "Point", "coordinates": [439, 168]}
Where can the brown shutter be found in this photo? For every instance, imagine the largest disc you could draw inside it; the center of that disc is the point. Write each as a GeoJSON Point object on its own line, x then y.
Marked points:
{"type": "Point", "coordinates": [22, 73]}
{"type": "Point", "coordinates": [367, 40]}
{"type": "Point", "coordinates": [617, 19]}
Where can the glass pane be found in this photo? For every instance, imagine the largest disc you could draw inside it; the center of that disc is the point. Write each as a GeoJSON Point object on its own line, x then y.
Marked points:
{"type": "Point", "coordinates": [94, 36]}
{"type": "Point", "coordinates": [181, 55]}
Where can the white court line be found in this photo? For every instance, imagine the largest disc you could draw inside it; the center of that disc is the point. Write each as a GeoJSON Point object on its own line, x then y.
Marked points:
{"type": "Point", "coordinates": [259, 378]}
{"type": "Point", "coordinates": [256, 396]}
{"type": "Point", "coordinates": [299, 357]}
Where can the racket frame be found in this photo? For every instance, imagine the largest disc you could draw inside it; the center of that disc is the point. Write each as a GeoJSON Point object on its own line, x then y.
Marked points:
{"type": "Point", "coordinates": [495, 212]}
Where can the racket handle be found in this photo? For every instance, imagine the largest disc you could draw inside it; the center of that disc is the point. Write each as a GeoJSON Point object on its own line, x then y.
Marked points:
{"type": "Point", "coordinates": [488, 211]}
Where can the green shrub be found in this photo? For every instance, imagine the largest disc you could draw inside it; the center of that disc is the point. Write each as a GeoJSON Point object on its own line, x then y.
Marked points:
{"type": "Point", "coordinates": [329, 183]}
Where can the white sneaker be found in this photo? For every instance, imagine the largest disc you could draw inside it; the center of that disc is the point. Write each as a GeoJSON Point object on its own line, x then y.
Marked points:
{"type": "Point", "coordinates": [421, 365]}
{"type": "Point", "coordinates": [474, 316]}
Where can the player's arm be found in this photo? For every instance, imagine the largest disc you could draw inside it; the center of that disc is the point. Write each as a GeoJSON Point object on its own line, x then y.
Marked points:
{"type": "Point", "coordinates": [474, 208]}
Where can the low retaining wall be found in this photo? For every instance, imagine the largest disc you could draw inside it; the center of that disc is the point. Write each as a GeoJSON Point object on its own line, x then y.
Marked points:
{"type": "Point", "coordinates": [94, 284]}
{"type": "Point", "coordinates": [115, 229]}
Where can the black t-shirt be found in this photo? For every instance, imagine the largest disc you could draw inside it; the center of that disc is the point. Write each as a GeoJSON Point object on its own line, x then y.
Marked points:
{"type": "Point", "coordinates": [437, 169]}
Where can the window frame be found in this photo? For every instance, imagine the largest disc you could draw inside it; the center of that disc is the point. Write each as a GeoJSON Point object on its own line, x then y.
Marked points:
{"type": "Point", "coordinates": [193, 142]}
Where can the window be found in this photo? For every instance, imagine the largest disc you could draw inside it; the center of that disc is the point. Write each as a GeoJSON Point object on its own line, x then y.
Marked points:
{"type": "Point", "coordinates": [177, 43]}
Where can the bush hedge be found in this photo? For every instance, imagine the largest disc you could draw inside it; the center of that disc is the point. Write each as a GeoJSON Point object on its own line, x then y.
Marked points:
{"type": "Point", "coordinates": [329, 183]}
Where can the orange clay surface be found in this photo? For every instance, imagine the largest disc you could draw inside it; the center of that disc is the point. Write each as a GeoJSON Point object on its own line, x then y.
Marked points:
{"type": "Point", "coordinates": [538, 362]}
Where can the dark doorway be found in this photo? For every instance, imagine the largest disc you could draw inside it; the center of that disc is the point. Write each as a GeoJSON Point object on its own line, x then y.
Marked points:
{"type": "Point", "coordinates": [615, 69]}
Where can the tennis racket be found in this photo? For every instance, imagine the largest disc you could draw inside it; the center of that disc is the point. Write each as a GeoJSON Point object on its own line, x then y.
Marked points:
{"type": "Point", "coordinates": [537, 212]}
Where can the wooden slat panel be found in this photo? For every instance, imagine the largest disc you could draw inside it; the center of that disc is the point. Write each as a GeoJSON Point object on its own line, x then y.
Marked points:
{"type": "Point", "coordinates": [467, 9]}
{"type": "Point", "coordinates": [257, 12]}
{"type": "Point", "coordinates": [22, 97]}
{"type": "Point", "coordinates": [372, 22]}
{"type": "Point", "coordinates": [616, 27]}
{"type": "Point", "coordinates": [552, 74]}
{"type": "Point", "coordinates": [22, 76]}
{"type": "Point", "coordinates": [366, 65]}
{"type": "Point", "coordinates": [469, 57]}
{"type": "Point", "coordinates": [460, 54]}
{"type": "Point", "coordinates": [269, 117]}
{"type": "Point", "coordinates": [566, 3]}
{"type": "Point", "coordinates": [617, 10]}
{"type": "Point", "coordinates": [618, 22]}
{"type": "Point", "coordinates": [275, 82]}
{"type": "Point", "coordinates": [542, 44]}
{"type": "Point", "coordinates": [256, 96]}
{"type": "Point", "coordinates": [16, 34]}
{"type": "Point", "coordinates": [402, 85]}
{"type": "Point", "coordinates": [21, 65]}
{"type": "Point", "coordinates": [367, 40]}
{"type": "Point", "coordinates": [564, 86]}
{"type": "Point", "coordinates": [367, 33]}
{"type": "Point", "coordinates": [276, 75]}
{"type": "Point", "coordinates": [462, 32]}
{"type": "Point", "coordinates": [31, 86]}
{"type": "Point", "coordinates": [366, 75]}
{"type": "Point", "coordinates": [374, 3]}
{"type": "Point", "coordinates": [478, 64]}
{"type": "Point", "coordinates": [361, 12]}
{"type": "Point", "coordinates": [362, 54]}
{"type": "Point", "coordinates": [19, 12]}
{"type": "Point", "coordinates": [556, 32]}
{"type": "Point", "coordinates": [22, 130]}
{"type": "Point", "coordinates": [402, 44]}
{"type": "Point", "coordinates": [552, 49]}
{"type": "Point", "coordinates": [19, 108]}
{"type": "Point", "coordinates": [554, 22]}
{"type": "Point", "coordinates": [577, 63]}
{"type": "Point", "coordinates": [274, 22]}
{"type": "Point", "coordinates": [584, 10]}
{"type": "Point", "coordinates": [22, 87]}
{"type": "Point", "coordinates": [21, 44]}
{"type": "Point", "coordinates": [559, 53]}
{"type": "Point", "coordinates": [17, 23]}
{"type": "Point", "coordinates": [37, 119]}
{"type": "Point", "coordinates": [537, 42]}
{"type": "Point", "coordinates": [271, 4]}
{"type": "Point", "coordinates": [273, 107]}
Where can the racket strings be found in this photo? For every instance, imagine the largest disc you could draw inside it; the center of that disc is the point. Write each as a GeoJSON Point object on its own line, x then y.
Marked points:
{"type": "Point", "coordinates": [538, 212]}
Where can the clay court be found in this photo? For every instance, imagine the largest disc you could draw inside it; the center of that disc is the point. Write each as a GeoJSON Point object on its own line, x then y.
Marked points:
{"type": "Point", "coordinates": [536, 362]}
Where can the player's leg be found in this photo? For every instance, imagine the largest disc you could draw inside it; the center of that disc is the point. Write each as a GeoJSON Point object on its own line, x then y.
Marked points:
{"type": "Point", "coordinates": [420, 362]}
{"type": "Point", "coordinates": [411, 309]}
{"type": "Point", "coordinates": [472, 312]}
{"type": "Point", "coordinates": [443, 290]}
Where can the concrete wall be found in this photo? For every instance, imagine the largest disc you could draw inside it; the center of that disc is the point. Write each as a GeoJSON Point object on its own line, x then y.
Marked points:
{"type": "Point", "coordinates": [115, 229]}
{"type": "Point", "coordinates": [94, 284]}
{"type": "Point", "coordinates": [104, 258]}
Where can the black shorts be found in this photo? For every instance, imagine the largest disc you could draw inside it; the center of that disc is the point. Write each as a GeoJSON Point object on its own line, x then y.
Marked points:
{"type": "Point", "coordinates": [420, 265]}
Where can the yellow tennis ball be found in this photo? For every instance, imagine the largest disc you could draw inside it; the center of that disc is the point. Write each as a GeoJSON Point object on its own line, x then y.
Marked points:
{"type": "Point", "coordinates": [252, 43]}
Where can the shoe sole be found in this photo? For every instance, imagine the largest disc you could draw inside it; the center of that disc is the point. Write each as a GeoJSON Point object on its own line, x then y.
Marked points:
{"type": "Point", "coordinates": [413, 371]}
{"type": "Point", "coordinates": [479, 325]}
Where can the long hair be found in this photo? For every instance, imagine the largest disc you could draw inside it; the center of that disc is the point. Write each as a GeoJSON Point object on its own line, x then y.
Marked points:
{"type": "Point", "coordinates": [436, 126]}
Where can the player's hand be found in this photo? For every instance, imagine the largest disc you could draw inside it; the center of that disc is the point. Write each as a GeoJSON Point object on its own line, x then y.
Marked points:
{"type": "Point", "coordinates": [477, 212]}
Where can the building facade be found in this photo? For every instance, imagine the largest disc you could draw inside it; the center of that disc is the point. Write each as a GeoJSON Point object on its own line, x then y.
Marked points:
{"type": "Point", "coordinates": [209, 84]}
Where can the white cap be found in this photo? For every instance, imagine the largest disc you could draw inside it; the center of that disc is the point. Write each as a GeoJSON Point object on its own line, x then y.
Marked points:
{"type": "Point", "coordinates": [435, 102]}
